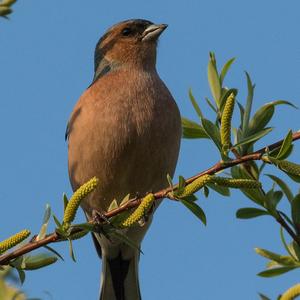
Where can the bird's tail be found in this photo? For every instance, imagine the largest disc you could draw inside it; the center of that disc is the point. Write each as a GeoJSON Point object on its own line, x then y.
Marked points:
{"type": "Point", "coordinates": [119, 278]}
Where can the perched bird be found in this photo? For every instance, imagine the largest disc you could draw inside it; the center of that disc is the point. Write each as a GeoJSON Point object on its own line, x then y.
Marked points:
{"type": "Point", "coordinates": [125, 129]}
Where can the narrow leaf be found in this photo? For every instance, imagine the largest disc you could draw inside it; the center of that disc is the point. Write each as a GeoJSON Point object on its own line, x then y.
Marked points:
{"type": "Point", "coordinates": [295, 206]}
{"type": "Point", "coordinates": [285, 243]}
{"type": "Point", "coordinates": [250, 212]}
{"type": "Point", "coordinates": [43, 230]}
{"type": "Point", "coordinates": [254, 137]}
{"type": "Point", "coordinates": [126, 240]}
{"type": "Point", "coordinates": [248, 107]}
{"type": "Point", "coordinates": [213, 79]}
{"type": "Point", "coordinates": [195, 209]}
{"type": "Point", "coordinates": [195, 104]}
{"type": "Point", "coordinates": [280, 102]}
{"type": "Point", "coordinates": [213, 132]}
{"type": "Point", "coordinates": [211, 105]}
{"type": "Point", "coordinates": [284, 187]}
{"type": "Point", "coordinates": [261, 118]}
{"type": "Point", "coordinates": [71, 250]}
{"type": "Point", "coordinates": [225, 69]}
{"type": "Point", "coordinates": [275, 272]}
{"type": "Point", "coordinates": [21, 274]}
{"type": "Point", "coordinates": [263, 297]}
{"type": "Point", "coordinates": [65, 200]}
{"type": "Point", "coordinates": [223, 190]}
{"type": "Point", "coordinates": [286, 145]}
{"type": "Point", "coordinates": [192, 130]}
{"type": "Point", "coordinates": [280, 259]}
{"type": "Point", "coordinates": [53, 251]}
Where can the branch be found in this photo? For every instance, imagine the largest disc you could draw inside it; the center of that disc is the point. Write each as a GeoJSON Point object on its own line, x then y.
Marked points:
{"type": "Point", "coordinates": [55, 237]}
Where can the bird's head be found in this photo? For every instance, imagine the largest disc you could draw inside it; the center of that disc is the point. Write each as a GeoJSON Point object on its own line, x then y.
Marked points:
{"type": "Point", "coordinates": [131, 42]}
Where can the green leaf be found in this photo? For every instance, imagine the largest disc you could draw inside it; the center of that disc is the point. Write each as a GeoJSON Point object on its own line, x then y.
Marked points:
{"type": "Point", "coordinates": [127, 197]}
{"type": "Point", "coordinates": [192, 130]}
{"type": "Point", "coordinates": [211, 105]}
{"type": "Point", "coordinates": [195, 104]}
{"type": "Point", "coordinates": [275, 272]}
{"type": "Point", "coordinates": [256, 195]}
{"type": "Point", "coordinates": [21, 274]}
{"type": "Point", "coordinates": [223, 190]}
{"type": "Point", "coordinates": [263, 297]}
{"type": "Point", "coordinates": [213, 132]}
{"type": "Point", "coordinates": [113, 205]}
{"type": "Point", "coordinates": [192, 198]}
{"type": "Point", "coordinates": [273, 198]}
{"type": "Point", "coordinates": [296, 249]}
{"type": "Point", "coordinates": [286, 218]}
{"type": "Point", "coordinates": [246, 118]}
{"type": "Point", "coordinates": [225, 69]}
{"type": "Point", "coordinates": [295, 206]}
{"type": "Point", "coordinates": [195, 209]}
{"type": "Point", "coordinates": [169, 179]}
{"type": "Point", "coordinates": [286, 145]}
{"type": "Point", "coordinates": [242, 113]}
{"type": "Point", "coordinates": [225, 94]}
{"type": "Point", "coordinates": [206, 191]}
{"type": "Point", "coordinates": [283, 260]}
{"type": "Point", "coordinates": [39, 261]}
{"type": "Point", "coordinates": [65, 200]}
{"type": "Point", "coordinates": [71, 250]}
{"type": "Point", "coordinates": [58, 224]}
{"type": "Point", "coordinates": [254, 137]}
{"type": "Point", "coordinates": [181, 184]}
{"type": "Point", "coordinates": [282, 238]}
{"type": "Point", "coordinates": [53, 251]}
{"type": "Point", "coordinates": [296, 178]}
{"type": "Point", "coordinates": [283, 186]}
{"type": "Point", "coordinates": [43, 230]}
{"type": "Point", "coordinates": [213, 79]}
{"type": "Point", "coordinates": [250, 212]}
{"type": "Point", "coordinates": [7, 2]}
{"type": "Point", "coordinates": [126, 240]}
{"type": "Point", "coordinates": [261, 118]}
{"type": "Point", "coordinates": [280, 102]}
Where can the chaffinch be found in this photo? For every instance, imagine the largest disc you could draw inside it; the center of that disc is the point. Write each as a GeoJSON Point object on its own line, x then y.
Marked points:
{"type": "Point", "coordinates": [125, 129]}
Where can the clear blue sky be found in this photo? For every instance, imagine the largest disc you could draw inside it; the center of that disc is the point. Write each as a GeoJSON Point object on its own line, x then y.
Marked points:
{"type": "Point", "coordinates": [46, 61]}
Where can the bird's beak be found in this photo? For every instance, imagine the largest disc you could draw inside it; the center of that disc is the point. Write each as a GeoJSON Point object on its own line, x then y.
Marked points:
{"type": "Point", "coordinates": [153, 31]}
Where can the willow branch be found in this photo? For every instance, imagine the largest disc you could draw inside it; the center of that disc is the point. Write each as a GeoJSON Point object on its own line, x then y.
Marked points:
{"type": "Point", "coordinates": [55, 237]}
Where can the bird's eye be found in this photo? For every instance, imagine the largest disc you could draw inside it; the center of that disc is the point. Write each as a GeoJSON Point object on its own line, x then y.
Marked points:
{"type": "Point", "coordinates": [126, 31]}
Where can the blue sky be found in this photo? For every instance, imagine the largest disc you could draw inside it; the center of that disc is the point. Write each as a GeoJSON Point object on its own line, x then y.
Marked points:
{"type": "Point", "coordinates": [46, 62]}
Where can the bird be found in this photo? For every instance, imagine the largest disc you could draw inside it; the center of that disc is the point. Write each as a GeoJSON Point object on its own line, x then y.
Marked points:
{"type": "Point", "coordinates": [125, 129]}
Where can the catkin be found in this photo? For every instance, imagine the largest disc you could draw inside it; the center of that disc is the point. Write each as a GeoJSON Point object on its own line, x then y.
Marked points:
{"type": "Point", "coordinates": [76, 198]}
{"type": "Point", "coordinates": [195, 186]}
{"type": "Point", "coordinates": [226, 122]}
{"type": "Point", "coordinates": [237, 183]}
{"type": "Point", "coordinates": [289, 167]}
{"type": "Point", "coordinates": [291, 293]}
{"type": "Point", "coordinates": [14, 240]}
{"type": "Point", "coordinates": [140, 211]}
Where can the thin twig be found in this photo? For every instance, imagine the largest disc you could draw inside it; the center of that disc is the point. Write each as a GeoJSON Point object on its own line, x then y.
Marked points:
{"type": "Point", "coordinates": [54, 237]}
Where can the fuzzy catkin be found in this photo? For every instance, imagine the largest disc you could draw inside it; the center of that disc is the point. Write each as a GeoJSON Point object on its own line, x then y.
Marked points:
{"type": "Point", "coordinates": [226, 122]}
{"type": "Point", "coordinates": [195, 186]}
{"type": "Point", "coordinates": [237, 183]}
{"type": "Point", "coordinates": [14, 240]}
{"type": "Point", "coordinates": [140, 211]}
{"type": "Point", "coordinates": [291, 293]}
{"type": "Point", "coordinates": [289, 167]}
{"type": "Point", "coordinates": [76, 198]}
